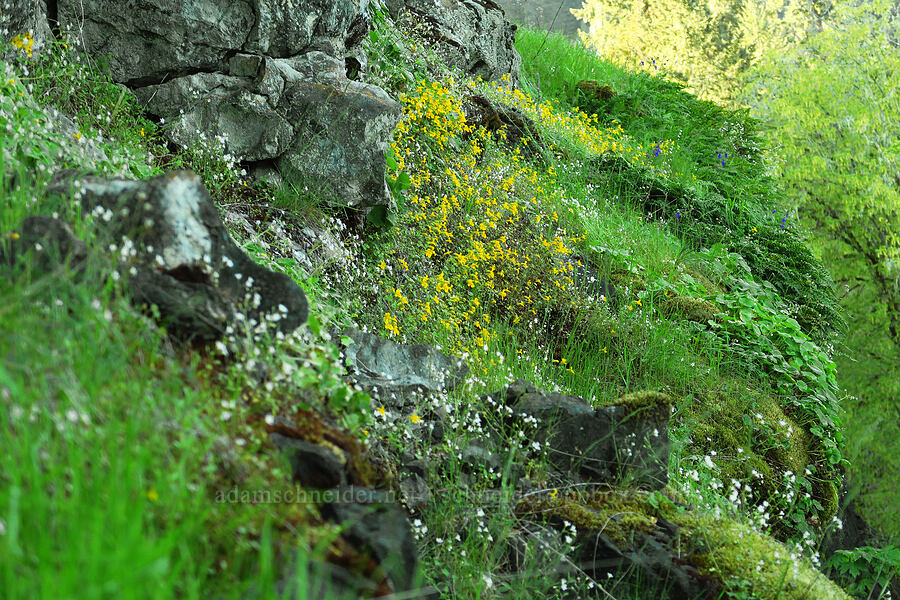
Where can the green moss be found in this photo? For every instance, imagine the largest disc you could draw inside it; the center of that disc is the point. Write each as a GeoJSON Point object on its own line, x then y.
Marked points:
{"type": "Point", "coordinates": [756, 442]}
{"type": "Point", "coordinates": [828, 491]}
{"type": "Point", "coordinates": [751, 564]}
{"type": "Point", "coordinates": [692, 309]}
{"type": "Point", "coordinates": [645, 399]}
{"type": "Point", "coordinates": [711, 287]}
{"type": "Point", "coordinates": [647, 403]}
{"type": "Point", "coordinates": [618, 514]}
{"type": "Point", "coordinates": [626, 281]}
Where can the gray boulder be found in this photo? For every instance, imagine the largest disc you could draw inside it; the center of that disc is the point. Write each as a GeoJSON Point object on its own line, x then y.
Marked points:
{"type": "Point", "coordinates": [51, 244]}
{"type": "Point", "coordinates": [169, 235]}
{"type": "Point", "coordinates": [313, 466]}
{"type": "Point", "coordinates": [552, 15]}
{"type": "Point", "coordinates": [626, 442]}
{"type": "Point", "coordinates": [301, 114]}
{"type": "Point", "coordinates": [154, 40]}
{"type": "Point", "coordinates": [315, 247]}
{"type": "Point", "coordinates": [267, 77]}
{"type": "Point", "coordinates": [392, 370]}
{"type": "Point", "coordinates": [18, 17]}
{"type": "Point", "coordinates": [379, 526]}
{"type": "Point", "coordinates": [472, 35]}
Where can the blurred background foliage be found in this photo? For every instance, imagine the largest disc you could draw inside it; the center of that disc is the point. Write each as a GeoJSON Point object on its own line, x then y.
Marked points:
{"type": "Point", "coordinates": [823, 78]}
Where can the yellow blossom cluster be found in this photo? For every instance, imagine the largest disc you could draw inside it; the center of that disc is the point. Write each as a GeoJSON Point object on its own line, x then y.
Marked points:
{"type": "Point", "coordinates": [482, 239]}
{"type": "Point", "coordinates": [23, 42]}
{"type": "Point", "coordinates": [576, 126]}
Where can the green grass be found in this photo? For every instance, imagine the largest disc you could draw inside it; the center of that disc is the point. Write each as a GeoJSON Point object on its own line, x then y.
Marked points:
{"type": "Point", "coordinates": [116, 463]}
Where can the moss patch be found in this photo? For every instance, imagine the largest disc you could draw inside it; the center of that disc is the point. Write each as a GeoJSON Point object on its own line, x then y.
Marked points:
{"type": "Point", "coordinates": [645, 399]}
{"type": "Point", "coordinates": [751, 564]}
{"type": "Point", "coordinates": [618, 514]}
{"type": "Point", "coordinates": [692, 309]}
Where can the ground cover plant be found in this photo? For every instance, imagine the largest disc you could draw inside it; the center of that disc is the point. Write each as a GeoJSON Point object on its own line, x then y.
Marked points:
{"type": "Point", "coordinates": [598, 254]}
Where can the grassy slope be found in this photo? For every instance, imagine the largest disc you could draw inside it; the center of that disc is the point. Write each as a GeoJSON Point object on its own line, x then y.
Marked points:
{"type": "Point", "coordinates": [661, 226]}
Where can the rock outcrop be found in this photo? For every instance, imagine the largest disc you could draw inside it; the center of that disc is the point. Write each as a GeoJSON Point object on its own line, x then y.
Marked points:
{"type": "Point", "coordinates": [472, 35]}
{"type": "Point", "coordinates": [180, 258]}
{"type": "Point", "coordinates": [267, 79]}
{"type": "Point", "coordinates": [623, 443]}
{"type": "Point", "coordinates": [20, 17]}
{"type": "Point", "coordinates": [392, 371]}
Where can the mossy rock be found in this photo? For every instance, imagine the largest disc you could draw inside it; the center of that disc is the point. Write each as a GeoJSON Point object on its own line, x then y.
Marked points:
{"type": "Point", "coordinates": [594, 90]}
{"type": "Point", "coordinates": [691, 309]}
{"type": "Point", "coordinates": [752, 565]}
{"type": "Point", "coordinates": [703, 279]}
{"type": "Point", "coordinates": [645, 400]}
{"type": "Point", "coordinates": [763, 452]}
{"type": "Point", "coordinates": [726, 554]}
{"type": "Point", "coordinates": [314, 428]}
{"type": "Point", "coordinates": [620, 515]}
{"type": "Point", "coordinates": [626, 282]}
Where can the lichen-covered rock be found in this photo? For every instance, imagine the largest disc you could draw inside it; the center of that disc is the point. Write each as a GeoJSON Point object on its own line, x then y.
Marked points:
{"type": "Point", "coordinates": [342, 134]}
{"type": "Point", "coordinates": [315, 247]}
{"type": "Point", "coordinates": [393, 368]}
{"type": "Point", "coordinates": [472, 35]}
{"type": "Point", "coordinates": [169, 235]}
{"type": "Point", "coordinates": [552, 15]}
{"type": "Point", "coordinates": [21, 18]}
{"type": "Point", "coordinates": [302, 113]}
{"type": "Point", "coordinates": [153, 40]}
{"type": "Point", "coordinates": [267, 77]}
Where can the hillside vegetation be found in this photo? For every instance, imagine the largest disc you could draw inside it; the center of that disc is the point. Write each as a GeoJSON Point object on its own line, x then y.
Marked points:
{"type": "Point", "coordinates": [620, 237]}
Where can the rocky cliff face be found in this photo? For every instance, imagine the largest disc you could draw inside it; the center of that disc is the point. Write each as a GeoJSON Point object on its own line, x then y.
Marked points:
{"type": "Point", "coordinates": [553, 15]}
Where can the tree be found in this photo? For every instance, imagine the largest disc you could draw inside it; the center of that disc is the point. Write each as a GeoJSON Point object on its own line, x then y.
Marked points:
{"type": "Point", "coordinates": [833, 108]}
{"type": "Point", "coordinates": [705, 46]}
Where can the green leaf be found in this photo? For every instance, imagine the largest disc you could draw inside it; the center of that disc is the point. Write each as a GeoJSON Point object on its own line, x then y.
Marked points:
{"type": "Point", "coordinates": [314, 324]}
{"type": "Point", "coordinates": [380, 217]}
